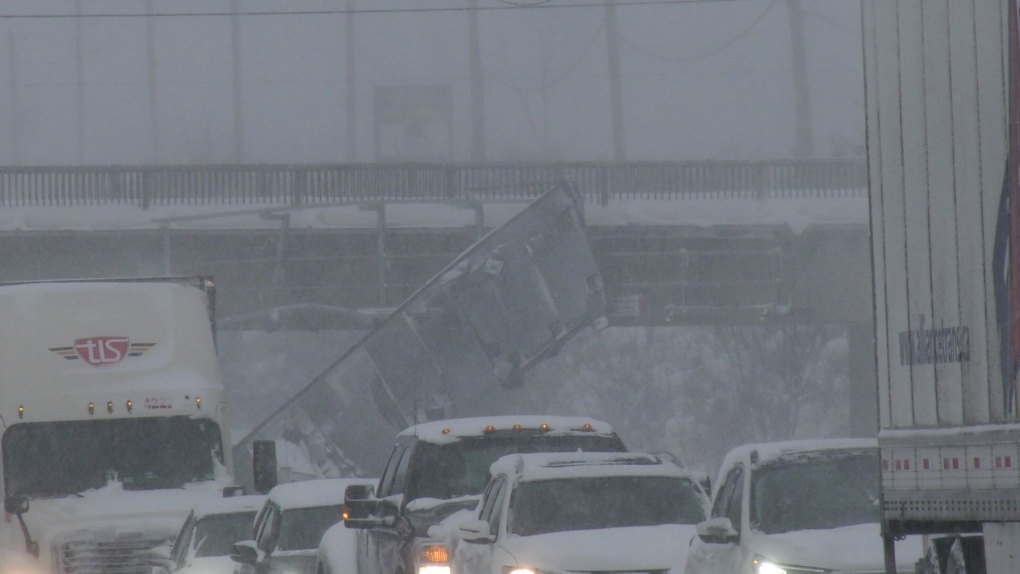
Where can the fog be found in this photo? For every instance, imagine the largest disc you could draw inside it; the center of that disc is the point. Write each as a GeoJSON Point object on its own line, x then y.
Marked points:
{"type": "Point", "coordinates": [698, 80]}
{"type": "Point", "coordinates": [325, 160]}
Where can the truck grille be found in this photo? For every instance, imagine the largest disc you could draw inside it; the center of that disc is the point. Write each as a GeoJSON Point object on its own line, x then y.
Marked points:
{"type": "Point", "coordinates": [114, 557]}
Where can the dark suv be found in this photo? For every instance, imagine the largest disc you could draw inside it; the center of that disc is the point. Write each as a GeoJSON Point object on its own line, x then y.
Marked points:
{"type": "Point", "coordinates": [438, 468]}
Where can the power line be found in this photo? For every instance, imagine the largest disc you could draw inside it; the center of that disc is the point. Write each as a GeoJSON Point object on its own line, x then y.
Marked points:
{"type": "Point", "coordinates": [533, 4]}
{"type": "Point", "coordinates": [504, 6]}
{"type": "Point", "coordinates": [739, 36]}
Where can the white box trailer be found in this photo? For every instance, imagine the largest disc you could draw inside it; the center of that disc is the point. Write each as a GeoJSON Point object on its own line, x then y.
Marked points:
{"type": "Point", "coordinates": [113, 420]}
{"type": "Point", "coordinates": [942, 84]}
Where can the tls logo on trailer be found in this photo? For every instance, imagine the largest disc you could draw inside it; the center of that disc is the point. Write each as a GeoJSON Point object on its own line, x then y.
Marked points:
{"type": "Point", "coordinates": [102, 350]}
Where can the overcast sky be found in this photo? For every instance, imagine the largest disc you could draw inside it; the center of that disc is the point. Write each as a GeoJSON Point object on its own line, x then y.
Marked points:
{"type": "Point", "coordinates": [706, 80]}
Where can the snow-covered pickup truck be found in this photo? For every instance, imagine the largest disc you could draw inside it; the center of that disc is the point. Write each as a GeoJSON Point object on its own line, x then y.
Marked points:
{"type": "Point", "coordinates": [441, 467]}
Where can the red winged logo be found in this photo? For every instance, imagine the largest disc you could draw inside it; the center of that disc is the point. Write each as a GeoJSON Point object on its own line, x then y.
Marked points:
{"type": "Point", "coordinates": [102, 350]}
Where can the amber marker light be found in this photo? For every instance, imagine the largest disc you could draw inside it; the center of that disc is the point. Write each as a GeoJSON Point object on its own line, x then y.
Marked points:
{"type": "Point", "coordinates": [490, 428]}
{"type": "Point", "coordinates": [517, 427]}
{"type": "Point", "coordinates": [198, 402]}
{"type": "Point", "coordinates": [21, 411]}
{"type": "Point", "coordinates": [433, 559]}
{"type": "Point", "coordinates": [109, 407]}
{"type": "Point", "coordinates": [587, 427]}
{"type": "Point", "coordinates": [446, 431]}
{"type": "Point", "coordinates": [433, 553]}
{"type": "Point", "coordinates": [92, 408]}
{"type": "Point", "coordinates": [130, 405]}
{"type": "Point", "coordinates": [544, 427]}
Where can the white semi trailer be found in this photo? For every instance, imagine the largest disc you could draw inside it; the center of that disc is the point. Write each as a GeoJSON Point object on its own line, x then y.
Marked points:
{"type": "Point", "coordinates": [113, 421]}
{"type": "Point", "coordinates": [942, 90]}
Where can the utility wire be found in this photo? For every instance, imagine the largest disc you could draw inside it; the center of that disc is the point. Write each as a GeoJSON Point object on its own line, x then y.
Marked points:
{"type": "Point", "coordinates": [505, 5]}
{"type": "Point", "coordinates": [741, 35]}
{"type": "Point", "coordinates": [525, 4]}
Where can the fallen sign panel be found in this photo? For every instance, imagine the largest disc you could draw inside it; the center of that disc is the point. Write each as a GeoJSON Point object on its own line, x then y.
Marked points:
{"type": "Point", "coordinates": [512, 299]}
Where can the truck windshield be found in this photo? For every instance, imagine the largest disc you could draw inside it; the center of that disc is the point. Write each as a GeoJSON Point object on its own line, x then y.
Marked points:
{"type": "Point", "coordinates": [141, 454]}
{"type": "Point", "coordinates": [544, 506]}
{"type": "Point", "coordinates": [302, 528]}
{"type": "Point", "coordinates": [217, 533]}
{"type": "Point", "coordinates": [815, 493]}
{"type": "Point", "coordinates": [461, 468]}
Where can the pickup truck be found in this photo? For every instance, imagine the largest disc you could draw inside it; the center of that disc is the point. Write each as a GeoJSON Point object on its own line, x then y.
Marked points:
{"type": "Point", "coordinates": [442, 467]}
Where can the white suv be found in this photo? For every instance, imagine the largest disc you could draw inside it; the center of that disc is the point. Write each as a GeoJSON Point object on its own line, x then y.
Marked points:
{"type": "Point", "coordinates": [797, 507]}
{"type": "Point", "coordinates": [581, 512]}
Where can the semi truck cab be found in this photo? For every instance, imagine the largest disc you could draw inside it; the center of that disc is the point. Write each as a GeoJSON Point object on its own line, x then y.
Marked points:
{"type": "Point", "coordinates": [113, 420]}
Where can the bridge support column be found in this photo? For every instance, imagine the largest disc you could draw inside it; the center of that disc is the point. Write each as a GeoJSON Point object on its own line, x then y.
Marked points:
{"type": "Point", "coordinates": [380, 255]}
{"type": "Point", "coordinates": [165, 232]}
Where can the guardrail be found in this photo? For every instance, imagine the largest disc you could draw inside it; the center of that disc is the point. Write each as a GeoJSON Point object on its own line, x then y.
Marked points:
{"type": "Point", "coordinates": [146, 186]}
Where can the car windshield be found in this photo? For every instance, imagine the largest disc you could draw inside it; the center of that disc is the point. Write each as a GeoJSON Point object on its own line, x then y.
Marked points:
{"type": "Point", "coordinates": [217, 533]}
{"type": "Point", "coordinates": [141, 454]}
{"type": "Point", "coordinates": [816, 493]}
{"type": "Point", "coordinates": [302, 528]}
{"type": "Point", "coordinates": [541, 507]}
{"type": "Point", "coordinates": [461, 468]}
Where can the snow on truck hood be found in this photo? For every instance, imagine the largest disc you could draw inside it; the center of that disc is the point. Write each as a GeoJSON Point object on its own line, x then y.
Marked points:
{"type": "Point", "coordinates": [208, 565]}
{"type": "Point", "coordinates": [111, 511]}
{"type": "Point", "coordinates": [636, 548]}
{"type": "Point", "coordinates": [850, 548]}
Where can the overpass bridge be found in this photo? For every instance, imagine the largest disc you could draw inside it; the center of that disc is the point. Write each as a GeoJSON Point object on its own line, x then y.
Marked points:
{"type": "Point", "coordinates": [328, 246]}
{"type": "Point", "coordinates": [678, 242]}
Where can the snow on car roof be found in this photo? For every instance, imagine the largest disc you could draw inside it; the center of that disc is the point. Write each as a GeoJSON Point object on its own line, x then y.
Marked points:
{"type": "Point", "coordinates": [229, 505]}
{"type": "Point", "coordinates": [309, 493]}
{"type": "Point", "coordinates": [453, 429]}
{"type": "Point", "coordinates": [543, 466]}
{"type": "Point", "coordinates": [774, 450]}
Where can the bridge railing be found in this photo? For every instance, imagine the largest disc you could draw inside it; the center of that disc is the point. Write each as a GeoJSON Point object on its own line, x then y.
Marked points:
{"type": "Point", "coordinates": [146, 186]}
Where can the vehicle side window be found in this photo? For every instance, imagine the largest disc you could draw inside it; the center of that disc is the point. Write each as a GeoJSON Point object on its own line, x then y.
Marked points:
{"type": "Point", "coordinates": [257, 525]}
{"type": "Point", "coordinates": [497, 508]}
{"type": "Point", "coordinates": [729, 498]}
{"type": "Point", "coordinates": [180, 550]}
{"type": "Point", "coordinates": [270, 524]}
{"type": "Point", "coordinates": [734, 509]}
{"type": "Point", "coordinates": [386, 483]}
{"type": "Point", "coordinates": [490, 498]}
{"type": "Point", "coordinates": [722, 495]}
{"type": "Point", "coordinates": [400, 478]}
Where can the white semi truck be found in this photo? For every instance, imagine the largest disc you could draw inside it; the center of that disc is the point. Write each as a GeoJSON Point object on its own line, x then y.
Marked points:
{"type": "Point", "coordinates": [942, 83]}
{"type": "Point", "coordinates": [112, 409]}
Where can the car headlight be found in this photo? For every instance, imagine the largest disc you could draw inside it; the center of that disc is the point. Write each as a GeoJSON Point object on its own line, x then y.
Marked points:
{"type": "Point", "coordinates": [520, 570]}
{"type": "Point", "coordinates": [433, 559]}
{"type": "Point", "coordinates": [762, 566]}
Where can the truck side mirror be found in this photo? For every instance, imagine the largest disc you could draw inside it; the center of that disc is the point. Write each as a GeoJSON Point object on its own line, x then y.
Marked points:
{"type": "Point", "coordinates": [15, 504]}
{"type": "Point", "coordinates": [359, 504]}
{"type": "Point", "coordinates": [245, 552]}
{"type": "Point", "coordinates": [476, 531]}
{"type": "Point", "coordinates": [233, 490]}
{"type": "Point", "coordinates": [264, 465]}
{"type": "Point", "coordinates": [718, 531]}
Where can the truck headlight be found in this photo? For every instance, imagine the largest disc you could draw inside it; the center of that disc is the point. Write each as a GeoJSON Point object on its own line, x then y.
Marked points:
{"type": "Point", "coordinates": [433, 559]}
{"type": "Point", "coordinates": [762, 566]}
